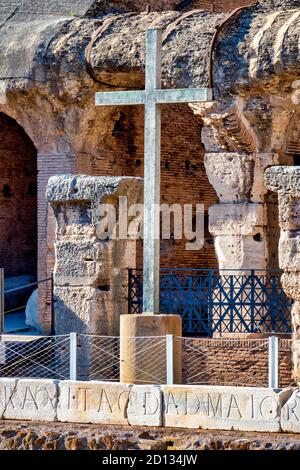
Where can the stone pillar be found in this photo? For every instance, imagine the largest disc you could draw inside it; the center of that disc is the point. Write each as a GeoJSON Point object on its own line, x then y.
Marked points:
{"type": "Point", "coordinates": [286, 182]}
{"type": "Point", "coordinates": [91, 274]}
{"type": "Point", "coordinates": [143, 348]}
{"type": "Point", "coordinates": [239, 222]}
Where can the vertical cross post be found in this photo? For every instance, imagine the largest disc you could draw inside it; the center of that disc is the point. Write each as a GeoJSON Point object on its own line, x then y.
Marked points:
{"type": "Point", "coordinates": [152, 98]}
{"type": "Point", "coordinates": [152, 174]}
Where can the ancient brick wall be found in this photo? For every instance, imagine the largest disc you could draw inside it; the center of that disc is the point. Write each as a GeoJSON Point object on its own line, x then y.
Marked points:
{"type": "Point", "coordinates": [241, 362]}
{"type": "Point", "coordinates": [18, 200]}
{"type": "Point", "coordinates": [183, 180]}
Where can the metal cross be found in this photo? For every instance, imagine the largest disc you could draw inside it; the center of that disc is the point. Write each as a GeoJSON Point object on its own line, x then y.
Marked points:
{"type": "Point", "coordinates": [152, 97]}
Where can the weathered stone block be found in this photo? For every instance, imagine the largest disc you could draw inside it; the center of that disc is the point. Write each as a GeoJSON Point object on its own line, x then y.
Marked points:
{"type": "Point", "coordinates": [290, 413]}
{"type": "Point", "coordinates": [289, 212]}
{"type": "Point", "coordinates": [289, 251]}
{"type": "Point", "coordinates": [93, 402]}
{"type": "Point", "coordinates": [236, 219]}
{"type": "Point", "coordinates": [28, 399]}
{"type": "Point", "coordinates": [262, 161]}
{"type": "Point", "coordinates": [7, 386]}
{"type": "Point", "coordinates": [241, 252]}
{"type": "Point", "coordinates": [291, 284]}
{"type": "Point", "coordinates": [81, 263]}
{"type": "Point", "coordinates": [82, 188]}
{"type": "Point", "coordinates": [109, 403]}
{"type": "Point", "coordinates": [88, 310]}
{"type": "Point", "coordinates": [231, 174]}
{"type": "Point", "coordinates": [90, 277]}
{"type": "Point", "coordinates": [145, 406]}
{"type": "Point", "coordinates": [283, 179]}
{"type": "Point", "coordinates": [237, 408]}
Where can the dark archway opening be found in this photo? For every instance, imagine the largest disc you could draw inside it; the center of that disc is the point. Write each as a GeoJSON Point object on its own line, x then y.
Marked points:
{"type": "Point", "coordinates": [18, 210]}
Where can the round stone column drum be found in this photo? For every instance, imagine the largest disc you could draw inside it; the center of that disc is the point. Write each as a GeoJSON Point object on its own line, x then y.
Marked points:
{"type": "Point", "coordinates": [143, 348]}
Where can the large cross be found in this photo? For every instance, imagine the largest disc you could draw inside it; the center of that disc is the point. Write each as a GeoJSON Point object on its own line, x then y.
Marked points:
{"type": "Point", "coordinates": [152, 97]}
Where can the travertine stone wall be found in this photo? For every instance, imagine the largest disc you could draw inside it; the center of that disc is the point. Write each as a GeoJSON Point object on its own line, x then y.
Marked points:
{"type": "Point", "coordinates": [90, 276]}
{"type": "Point", "coordinates": [286, 182]}
{"type": "Point", "coordinates": [185, 406]}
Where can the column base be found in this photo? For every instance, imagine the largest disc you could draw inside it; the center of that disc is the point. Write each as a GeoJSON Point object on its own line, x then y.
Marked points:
{"type": "Point", "coordinates": [135, 366]}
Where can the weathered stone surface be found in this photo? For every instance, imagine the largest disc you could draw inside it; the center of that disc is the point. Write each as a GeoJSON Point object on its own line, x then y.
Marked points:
{"type": "Point", "coordinates": [82, 309]}
{"type": "Point", "coordinates": [193, 36]}
{"type": "Point", "coordinates": [82, 188]}
{"type": "Point", "coordinates": [7, 386]}
{"type": "Point", "coordinates": [251, 409]}
{"type": "Point", "coordinates": [136, 363]}
{"type": "Point", "coordinates": [236, 219]}
{"type": "Point", "coordinates": [31, 399]}
{"type": "Point", "coordinates": [289, 252]}
{"type": "Point", "coordinates": [289, 213]}
{"type": "Point", "coordinates": [91, 271]}
{"type": "Point", "coordinates": [283, 179]}
{"type": "Point", "coordinates": [145, 406]}
{"type": "Point", "coordinates": [242, 223]}
{"type": "Point", "coordinates": [290, 413]}
{"type": "Point", "coordinates": [231, 174]}
{"type": "Point", "coordinates": [241, 252]}
{"type": "Point", "coordinates": [110, 403]}
{"type": "Point", "coordinates": [81, 263]}
{"type": "Point", "coordinates": [93, 402]}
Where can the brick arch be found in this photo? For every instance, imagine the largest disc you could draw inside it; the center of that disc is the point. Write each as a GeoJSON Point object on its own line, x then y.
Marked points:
{"type": "Point", "coordinates": [183, 178]}
{"type": "Point", "coordinates": [18, 199]}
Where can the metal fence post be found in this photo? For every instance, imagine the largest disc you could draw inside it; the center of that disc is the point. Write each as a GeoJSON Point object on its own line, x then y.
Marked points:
{"type": "Point", "coordinates": [273, 362]}
{"type": "Point", "coordinates": [170, 359]}
{"type": "Point", "coordinates": [1, 300]}
{"type": "Point", "coordinates": [52, 305]}
{"type": "Point", "coordinates": [73, 356]}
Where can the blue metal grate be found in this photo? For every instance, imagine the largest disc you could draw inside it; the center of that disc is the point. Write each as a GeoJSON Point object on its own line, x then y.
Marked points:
{"type": "Point", "coordinates": [212, 303]}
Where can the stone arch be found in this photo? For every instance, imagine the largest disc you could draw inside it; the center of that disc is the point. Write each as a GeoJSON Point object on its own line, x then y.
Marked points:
{"type": "Point", "coordinates": [18, 199]}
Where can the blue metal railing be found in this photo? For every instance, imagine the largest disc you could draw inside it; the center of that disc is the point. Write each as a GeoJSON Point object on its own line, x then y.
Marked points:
{"type": "Point", "coordinates": [209, 302]}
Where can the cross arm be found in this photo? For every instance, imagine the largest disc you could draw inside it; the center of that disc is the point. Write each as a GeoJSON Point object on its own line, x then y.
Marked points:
{"type": "Point", "coordinates": [123, 98]}
{"type": "Point", "coordinates": [183, 95]}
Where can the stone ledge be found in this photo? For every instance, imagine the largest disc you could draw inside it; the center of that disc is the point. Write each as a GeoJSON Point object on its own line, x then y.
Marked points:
{"type": "Point", "coordinates": [82, 188]}
{"type": "Point", "coordinates": [283, 179]}
{"type": "Point", "coordinates": [178, 406]}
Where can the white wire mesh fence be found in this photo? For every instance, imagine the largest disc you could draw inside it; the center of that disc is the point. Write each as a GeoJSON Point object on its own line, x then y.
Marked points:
{"type": "Point", "coordinates": [35, 357]}
{"type": "Point", "coordinates": [100, 358]}
{"type": "Point", "coordinates": [226, 361]}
